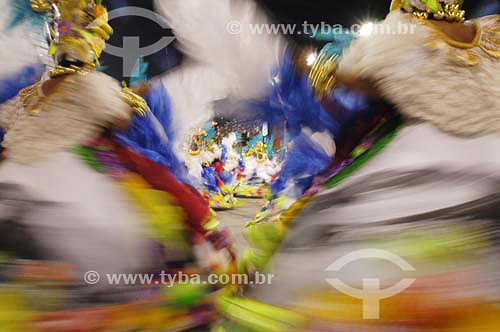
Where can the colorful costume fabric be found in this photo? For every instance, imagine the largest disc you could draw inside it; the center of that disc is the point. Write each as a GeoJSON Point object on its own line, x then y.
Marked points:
{"type": "Point", "coordinates": [412, 201]}
{"type": "Point", "coordinates": [80, 197]}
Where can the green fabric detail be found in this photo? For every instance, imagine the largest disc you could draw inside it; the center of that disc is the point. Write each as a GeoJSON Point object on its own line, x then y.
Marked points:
{"type": "Point", "coordinates": [433, 5]}
{"type": "Point", "coordinates": [258, 316]}
{"type": "Point", "coordinates": [358, 151]}
{"type": "Point", "coordinates": [265, 239]}
{"type": "Point", "coordinates": [88, 157]}
{"type": "Point", "coordinates": [377, 147]}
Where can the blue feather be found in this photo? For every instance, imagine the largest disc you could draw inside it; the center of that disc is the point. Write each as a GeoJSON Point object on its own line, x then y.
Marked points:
{"type": "Point", "coordinates": [226, 177]}
{"type": "Point", "coordinates": [10, 87]}
{"type": "Point", "coordinates": [210, 179]}
{"type": "Point", "coordinates": [350, 100]}
{"type": "Point", "coordinates": [293, 100]}
{"type": "Point", "coordinates": [224, 153]}
{"type": "Point", "coordinates": [152, 135]}
{"type": "Point", "coordinates": [305, 160]}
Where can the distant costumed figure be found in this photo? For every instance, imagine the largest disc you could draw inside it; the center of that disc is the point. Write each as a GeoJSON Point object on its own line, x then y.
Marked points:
{"type": "Point", "coordinates": [90, 186]}
{"type": "Point", "coordinates": [207, 171]}
{"type": "Point", "coordinates": [258, 173]}
{"type": "Point", "coordinates": [230, 159]}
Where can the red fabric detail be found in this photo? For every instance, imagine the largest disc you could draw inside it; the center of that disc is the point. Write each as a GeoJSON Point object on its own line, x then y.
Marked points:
{"type": "Point", "coordinates": [219, 167]}
{"type": "Point", "coordinates": [276, 144]}
{"type": "Point", "coordinates": [161, 178]}
{"type": "Point", "coordinates": [220, 184]}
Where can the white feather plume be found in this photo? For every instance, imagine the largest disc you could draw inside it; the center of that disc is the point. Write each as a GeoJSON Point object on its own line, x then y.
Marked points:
{"type": "Point", "coordinates": [18, 46]}
{"type": "Point", "coordinates": [222, 65]}
{"type": "Point", "coordinates": [244, 60]}
{"type": "Point", "coordinates": [192, 89]}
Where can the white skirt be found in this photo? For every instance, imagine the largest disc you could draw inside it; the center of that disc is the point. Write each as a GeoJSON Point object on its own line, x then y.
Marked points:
{"type": "Point", "coordinates": [79, 215]}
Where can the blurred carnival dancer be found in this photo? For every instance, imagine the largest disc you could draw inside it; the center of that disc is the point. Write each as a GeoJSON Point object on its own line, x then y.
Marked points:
{"type": "Point", "coordinates": [90, 186]}
{"type": "Point", "coordinates": [418, 187]}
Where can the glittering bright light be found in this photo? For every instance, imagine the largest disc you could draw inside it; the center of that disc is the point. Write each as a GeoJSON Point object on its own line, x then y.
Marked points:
{"type": "Point", "coordinates": [366, 29]}
{"type": "Point", "coordinates": [311, 59]}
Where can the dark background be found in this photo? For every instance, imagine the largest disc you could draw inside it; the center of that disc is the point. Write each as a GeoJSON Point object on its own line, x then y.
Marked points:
{"type": "Point", "coordinates": [281, 11]}
{"type": "Point", "coordinates": [346, 12]}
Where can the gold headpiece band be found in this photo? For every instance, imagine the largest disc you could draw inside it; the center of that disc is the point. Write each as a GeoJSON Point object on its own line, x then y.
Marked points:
{"type": "Point", "coordinates": [449, 10]}
{"type": "Point", "coordinates": [80, 28]}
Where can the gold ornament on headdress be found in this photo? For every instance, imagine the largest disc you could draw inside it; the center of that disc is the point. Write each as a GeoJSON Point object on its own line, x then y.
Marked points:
{"type": "Point", "coordinates": [210, 146]}
{"type": "Point", "coordinates": [260, 151]}
{"type": "Point", "coordinates": [79, 32]}
{"type": "Point", "coordinates": [135, 101]}
{"type": "Point", "coordinates": [61, 71]}
{"type": "Point", "coordinates": [197, 142]}
{"type": "Point", "coordinates": [436, 9]}
{"type": "Point", "coordinates": [322, 76]}
{"type": "Point", "coordinates": [80, 28]}
{"type": "Point", "coordinates": [397, 5]}
{"type": "Point", "coordinates": [40, 6]}
{"type": "Point", "coordinates": [250, 152]}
